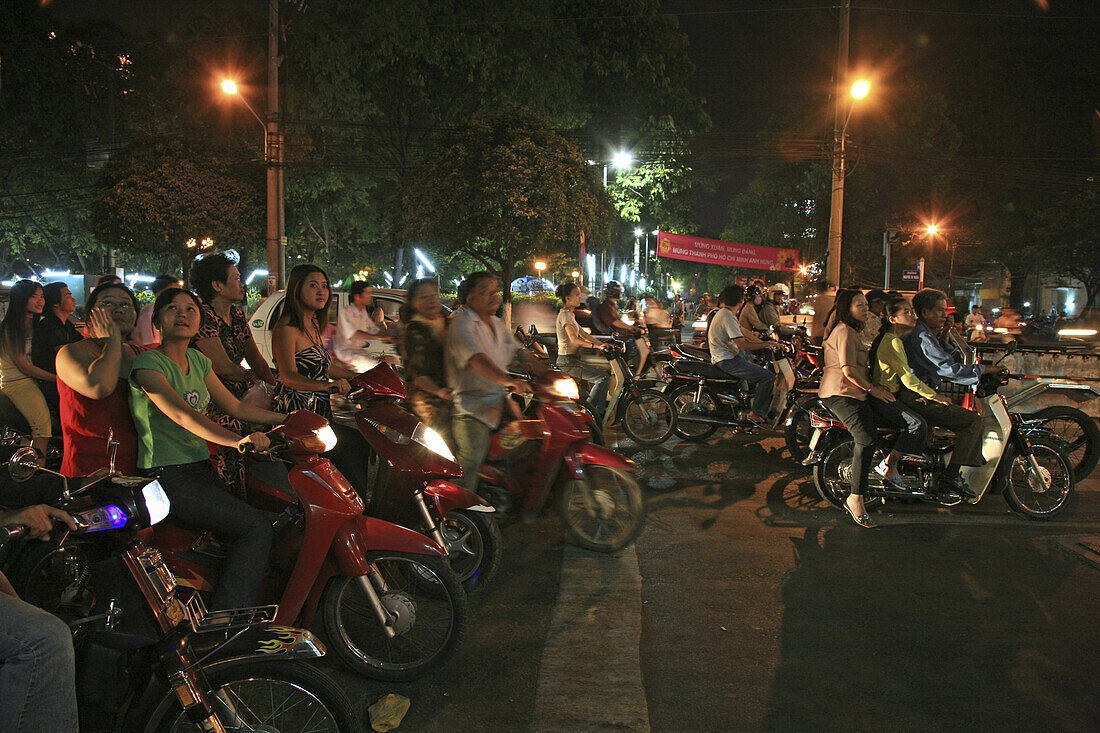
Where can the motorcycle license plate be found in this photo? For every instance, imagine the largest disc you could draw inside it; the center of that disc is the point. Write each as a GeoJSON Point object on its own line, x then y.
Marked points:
{"type": "Point", "coordinates": [813, 440]}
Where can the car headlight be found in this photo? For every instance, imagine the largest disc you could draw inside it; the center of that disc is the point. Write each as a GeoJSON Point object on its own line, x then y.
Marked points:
{"type": "Point", "coordinates": [566, 387]}
{"type": "Point", "coordinates": [433, 441]}
{"type": "Point", "coordinates": [1077, 332]}
{"type": "Point", "coordinates": [327, 436]}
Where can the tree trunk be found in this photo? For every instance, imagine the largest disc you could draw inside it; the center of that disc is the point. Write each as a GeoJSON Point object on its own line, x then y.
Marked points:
{"type": "Point", "coordinates": [506, 271]}
{"type": "Point", "coordinates": [328, 244]}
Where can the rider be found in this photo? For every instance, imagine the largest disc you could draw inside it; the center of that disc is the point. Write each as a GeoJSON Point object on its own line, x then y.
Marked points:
{"type": "Point", "coordinates": [747, 316]}
{"type": "Point", "coordinates": [933, 363]}
{"type": "Point", "coordinates": [773, 306]}
{"type": "Point", "coordinates": [360, 323]}
{"type": "Point", "coordinates": [729, 352]}
{"type": "Point", "coordinates": [479, 349]}
{"type": "Point", "coordinates": [891, 370]}
{"type": "Point", "coordinates": [37, 664]}
{"type": "Point", "coordinates": [876, 303]}
{"type": "Point", "coordinates": [607, 317]}
{"type": "Point", "coordinates": [571, 339]}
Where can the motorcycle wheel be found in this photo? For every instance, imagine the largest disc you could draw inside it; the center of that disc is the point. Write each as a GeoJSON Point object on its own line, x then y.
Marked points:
{"type": "Point", "coordinates": [1078, 432]}
{"type": "Point", "coordinates": [595, 434]}
{"type": "Point", "coordinates": [649, 418]}
{"type": "Point", "coordinates": [799, 432]}
{"type": "Point", "coordinates": [833, 476]}
{"type": "Point", "coordinates": [1043, 496]}
{"type": "Point", "coordinates": [474, 546]}
{"type": "Point", "coordinates": [281, 695]}
{"type": "Point", "coordinates": [683, 399]}
{"type": "Point", "coordinates": [430, 605]}
{"type": "Point", "coordinates": [604, 511]}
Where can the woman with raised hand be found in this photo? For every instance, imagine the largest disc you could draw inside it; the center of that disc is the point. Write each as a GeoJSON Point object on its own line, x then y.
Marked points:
{"type": "Point", "coordinates": [225, 338]}
{"type": "Point", "coordinates": [170, 388]}
{"type": "Point", "coordinates": [306, 373]}
{"type": "Point", "coordinates": [17, 373]}
{"type": "Point", "coordinates": [92, 385]}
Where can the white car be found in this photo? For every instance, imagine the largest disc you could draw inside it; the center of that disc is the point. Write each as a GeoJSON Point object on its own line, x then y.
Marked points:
{"type": "Point", "coordinates": [267, 313]}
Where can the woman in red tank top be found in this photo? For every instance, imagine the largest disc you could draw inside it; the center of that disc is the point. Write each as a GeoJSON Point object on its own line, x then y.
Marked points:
{"type": "Point", "coordinates": [91, 380]}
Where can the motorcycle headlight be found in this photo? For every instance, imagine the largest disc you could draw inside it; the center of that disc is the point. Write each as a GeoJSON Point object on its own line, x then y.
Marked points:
{"type": "Point", "coordinates": [566, 387]}
{"type": "Point", "coordinates": [327, 436]}
{"type": "Point", "coordinates": [433, 441]}
{"type": "Point", "coordinates": [156, 501]}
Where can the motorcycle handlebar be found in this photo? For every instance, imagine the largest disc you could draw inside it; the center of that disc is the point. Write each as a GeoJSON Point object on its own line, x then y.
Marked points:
{"type": "Point", "coordinates": [11, 531]}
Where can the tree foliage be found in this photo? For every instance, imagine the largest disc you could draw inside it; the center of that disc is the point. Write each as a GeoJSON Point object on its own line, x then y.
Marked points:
{"type": "Point", "coordinates": [504, 189]}
{"type": "Point", "coordinates": [1068, 241]}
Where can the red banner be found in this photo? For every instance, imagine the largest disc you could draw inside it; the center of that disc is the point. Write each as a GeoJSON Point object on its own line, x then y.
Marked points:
{"type": "Point", "coordinates": [733, 254]}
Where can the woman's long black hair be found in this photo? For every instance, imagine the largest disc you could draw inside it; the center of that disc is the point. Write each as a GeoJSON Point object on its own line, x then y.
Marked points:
{"type": "Point", "coordinates": [842, 311]}
{"type": "Point", "coordinates": [13, 329]}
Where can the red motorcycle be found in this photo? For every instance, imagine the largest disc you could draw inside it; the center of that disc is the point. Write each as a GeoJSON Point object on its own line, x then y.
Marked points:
{"type": "Point", "coordinates": [390, 605]}
{"type": "Point", "coordinates": [406, 479]}
{"type": "Point", "coordinates": [530, 461]}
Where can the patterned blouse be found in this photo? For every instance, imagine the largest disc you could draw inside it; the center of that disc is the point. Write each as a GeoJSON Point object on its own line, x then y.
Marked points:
{"type": "Point", "coordinates": [235, 337]}
{"type": "Point", "coordinates": [311, 363]}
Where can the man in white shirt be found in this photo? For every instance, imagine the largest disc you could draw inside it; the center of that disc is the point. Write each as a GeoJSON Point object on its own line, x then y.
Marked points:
{"type": "Point", "coordinates": [479, 349]}
{"type": "Point", "coordinates": [975, 324]}
{"type": "Point", "coordinates": [360, 324]}
{"type": "Point", "coordinates": [729, 351]}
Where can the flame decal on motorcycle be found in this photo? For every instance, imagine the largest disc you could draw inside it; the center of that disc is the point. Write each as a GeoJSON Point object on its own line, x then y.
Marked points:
{"type": "Point", "coordinates": [286, 638]}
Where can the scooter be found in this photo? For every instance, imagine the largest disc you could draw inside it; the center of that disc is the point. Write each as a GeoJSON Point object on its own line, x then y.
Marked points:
{"type": "Point", "coordinates": [409, 474]}
{"type": "Point", "coordinates": [149, 656]}
{"type": "Point", "coordinates": [531, 461]}
{"type": "Point", "coordinates": [1022, 461]}
{"type": "Point", "coordinates": [388, 601]}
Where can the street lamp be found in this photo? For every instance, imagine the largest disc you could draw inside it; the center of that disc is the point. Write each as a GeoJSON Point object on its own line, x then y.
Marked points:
{"type": "Point", "coordinates": [575, 274]}
{"type": "Point", "coordinates": [859, 90]}
{"type": "Point", "coordinates": [276, 220]}
{"type": "Point", "coordinates": [540, 266]}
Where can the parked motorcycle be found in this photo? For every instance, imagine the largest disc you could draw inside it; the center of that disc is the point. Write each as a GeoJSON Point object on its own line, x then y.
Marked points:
{"type": "Point", "coordinates": [389, 603]}
{"type": "Point", "coordinates": [532, 461]}
{"type": "Point", "coordinates": [1076, 432]}
{"type": "Point", "coordinates": [408, 478]}
{"type": "Point", "coordinates": [149, 656]}
{"type": "Point", "coordinates": [646, 415]}
{"type": "Point", "coordinates": [1023, 462]}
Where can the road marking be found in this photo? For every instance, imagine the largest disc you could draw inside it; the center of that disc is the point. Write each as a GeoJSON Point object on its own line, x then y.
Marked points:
{"type": "Point", "coordinates": [591, 677]}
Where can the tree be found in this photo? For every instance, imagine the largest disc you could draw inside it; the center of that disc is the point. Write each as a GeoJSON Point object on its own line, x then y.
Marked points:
{"type": "Point", "coordinates": [504, 189]}
{"type": "Point", "coordinates": [1067, 237]}
{"type": "Point", "coordinates": [156, 196]}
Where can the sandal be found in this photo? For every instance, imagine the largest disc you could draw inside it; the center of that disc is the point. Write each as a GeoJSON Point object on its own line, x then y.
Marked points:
{"type": "Point", "coordinates": [863, 520]}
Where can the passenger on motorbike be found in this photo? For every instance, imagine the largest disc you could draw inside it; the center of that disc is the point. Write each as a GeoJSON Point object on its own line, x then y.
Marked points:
{"type": "Point", "coordinates": [607, 318]}
{"type": "Point", "coordinates": [37, 664]}
{"type": "Point", "coordinates": [91, 382]}
{"type": "Point", "coordinates": [479, 350]}
{"type": "Point", "coordinates": [891, 370]}
{"type": "Point", "coordinates": [571, 340]}
{"type": "Point", "coordinates": [170, 387]}
{"type": "Point", "coordinates": [729, 351]}
{"type": "Point", "coordinates": [846, 389]}
{"type": "Point", "coordinates": [771, 308]}
{"type": "Point", "coordinates": [931, 359]}
{"type": "Point", "coordinates": [876, 303]}
{"type": "Point", "coordinates": [747, 316]}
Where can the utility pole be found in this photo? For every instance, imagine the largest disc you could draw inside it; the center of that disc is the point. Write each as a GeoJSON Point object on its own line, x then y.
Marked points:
{"type": "Point", "coordinates": [273, 152]}
{"type": "Point", "coordinates": [836, 214]}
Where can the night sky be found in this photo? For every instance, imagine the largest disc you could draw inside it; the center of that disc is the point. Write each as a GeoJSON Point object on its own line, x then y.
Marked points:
{"type": "Point", "coordinates": [757, 59]}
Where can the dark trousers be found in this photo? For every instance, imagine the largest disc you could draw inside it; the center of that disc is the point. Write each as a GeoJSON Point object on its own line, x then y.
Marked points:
{"type": "Point", "coordinates": [863, 418]}
{"type": "Point", "coordinates": [966, 424]}
{"type": "Point", "coordinates": [198, 503]}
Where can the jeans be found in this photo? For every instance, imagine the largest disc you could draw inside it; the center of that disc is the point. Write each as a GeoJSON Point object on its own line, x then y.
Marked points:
{"type": "Point", "coordinates": [37, 670]}
{"type": "Point", "coordinates": [762, 380]}
{"type": "Point", "coordinates": [911, 427]}
{"type": "Point", "coordinates": [471, 438]}
{"type": "Point", "coordinates": [198, 503]}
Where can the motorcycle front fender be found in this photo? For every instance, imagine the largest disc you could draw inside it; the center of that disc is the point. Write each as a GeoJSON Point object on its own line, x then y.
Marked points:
{"type": "Point", "coordinates": [261, 642]}
{"type": "Point", "coordinates": [583, 454]}
{"type": "Point", "coordinates": [362, 534]}
{"type": "Point", "coordinates": [446, 496]}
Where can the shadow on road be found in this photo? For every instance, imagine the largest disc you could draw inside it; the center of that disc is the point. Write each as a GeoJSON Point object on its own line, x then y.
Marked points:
{"type": "Point", "coordinates": [925, 627]}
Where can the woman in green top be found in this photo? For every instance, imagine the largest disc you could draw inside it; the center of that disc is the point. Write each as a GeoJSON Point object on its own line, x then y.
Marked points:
{"type": "Point", "coordinates": [891, 370]}
{"type": "Point", "coordinates": [170, 388]}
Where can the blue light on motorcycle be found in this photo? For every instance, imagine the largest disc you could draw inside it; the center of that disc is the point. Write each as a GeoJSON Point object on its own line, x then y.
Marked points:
{"type": "Point", "coordinates": [110, 516]}
{"type": "Point", "coordinates": [156, 501]}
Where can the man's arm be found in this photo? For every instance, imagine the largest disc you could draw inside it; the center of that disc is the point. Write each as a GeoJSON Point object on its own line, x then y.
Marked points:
{"type": "Point", "coordinates": [944, 364]}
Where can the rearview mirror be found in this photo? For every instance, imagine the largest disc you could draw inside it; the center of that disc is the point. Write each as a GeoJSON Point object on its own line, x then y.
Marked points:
{"type": "Point", "coordinates": [23, 463]}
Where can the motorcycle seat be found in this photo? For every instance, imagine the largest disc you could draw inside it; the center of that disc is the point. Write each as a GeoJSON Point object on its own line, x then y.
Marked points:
{"type": "Point", "coordinates": [701, 369]}
{"type": "Point", "coordinates": [696, 351]}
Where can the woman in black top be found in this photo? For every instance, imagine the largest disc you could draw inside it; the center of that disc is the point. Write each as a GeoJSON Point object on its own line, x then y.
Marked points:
{"type": "Point", "coordinates": [422, 344]}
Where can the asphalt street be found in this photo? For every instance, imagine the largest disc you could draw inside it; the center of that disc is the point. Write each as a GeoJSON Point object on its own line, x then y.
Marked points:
{"type": "Point", "coordinates": [749, 604]}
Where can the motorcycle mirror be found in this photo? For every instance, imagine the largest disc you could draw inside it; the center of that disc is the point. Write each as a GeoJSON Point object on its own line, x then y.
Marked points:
{"type": "Point", "coordinates": [23, 463]}
{"type": "Point", "coordinates": [1009, 350]}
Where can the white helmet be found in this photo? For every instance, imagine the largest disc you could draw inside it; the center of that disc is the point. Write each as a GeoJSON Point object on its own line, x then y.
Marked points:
{"type": "Point", "coordinates": [779, 288]}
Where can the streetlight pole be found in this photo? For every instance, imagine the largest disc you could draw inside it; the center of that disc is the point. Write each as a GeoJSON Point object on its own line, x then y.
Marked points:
{"type": "Point", "coordinates": [276, 214]}
{"type": "Point", "coordinates": [836, 214]}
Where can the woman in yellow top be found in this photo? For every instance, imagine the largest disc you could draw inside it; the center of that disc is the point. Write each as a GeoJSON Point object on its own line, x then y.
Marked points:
{"type": "Point", "coordinates": [891, 371]}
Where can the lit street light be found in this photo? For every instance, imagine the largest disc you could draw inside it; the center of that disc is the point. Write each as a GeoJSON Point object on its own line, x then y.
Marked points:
{"type": "Point", "coordinates": [276, 218]}
{"type": "Point", "coordinates": [575, 274]}
{"type": "Point", "coordinates": [859, 90]}
{"type": "Point", "coordinates": [540, 266]}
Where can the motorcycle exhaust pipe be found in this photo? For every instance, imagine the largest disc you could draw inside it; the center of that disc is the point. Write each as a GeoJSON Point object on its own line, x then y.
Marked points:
{"type": "Point", "coordinates": [706, 420]}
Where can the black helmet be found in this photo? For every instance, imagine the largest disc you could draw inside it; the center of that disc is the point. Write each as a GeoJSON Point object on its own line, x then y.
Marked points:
{"type": "Point", "coordinates": [752, 291]}
{"type": "Point", "coordinates": [613, 289]}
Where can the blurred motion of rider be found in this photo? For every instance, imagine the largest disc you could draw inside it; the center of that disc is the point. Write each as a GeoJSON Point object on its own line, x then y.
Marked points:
{"type": "Point", "coordinates": [37, 664]}
{"type": "Point", "coordinates": [608, 315]}
{"type": "Point", "coordinates": [729, 352]}
{"type": "Point", "coordinates": [572, 340]}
